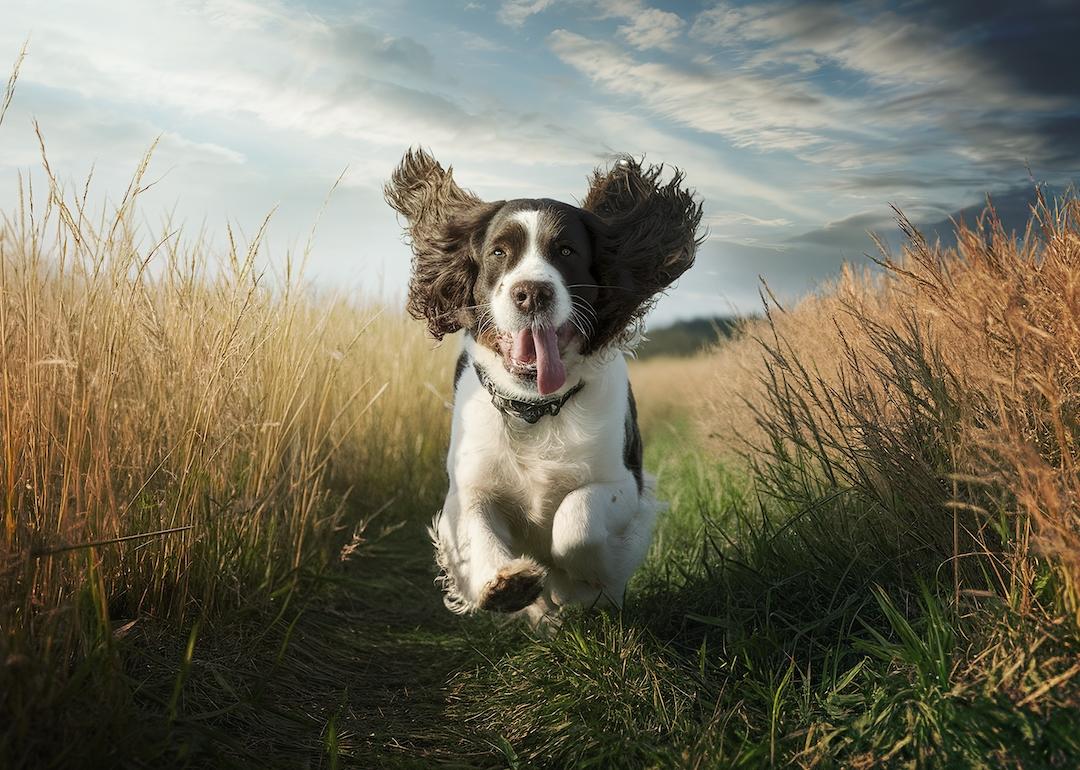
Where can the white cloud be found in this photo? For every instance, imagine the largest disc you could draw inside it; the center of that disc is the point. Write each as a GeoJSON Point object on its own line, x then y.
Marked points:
{"type": "Point", "coordinates": [923, 96]}
{"type": "Point", "coordinates": [749, 110]}
{"type": "Point", "coordinates": [646, 27]}
{"type": "Point", "coordinates": [289, 71]}
{"type": "Point", "coordinates": [726, 218]}
{"type": "Point", "coordinates": [513, 13]}
{"type": "Point", "coordinates": [260, 102]}
{"type": "Point", "coordinates": [78, 135]}
{"type": "Point", "coordinates": [707, 171]}
{"type": "Point", "coordinates": [880, 44]}
{"type": "Point", "coordinates": [260, 107]}
{"type": "Point", "coordinates": [652, 28]}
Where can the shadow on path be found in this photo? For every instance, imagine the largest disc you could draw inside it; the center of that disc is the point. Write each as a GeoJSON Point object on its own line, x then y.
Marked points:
{"type": "Point", "coordinates": [355, 676]}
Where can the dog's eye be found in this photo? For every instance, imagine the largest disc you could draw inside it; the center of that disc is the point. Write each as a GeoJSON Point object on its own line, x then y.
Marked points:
{"type": "Point", "coordinates": [498, 253]}
{"type": "Point", "coordinates": [566, 251]}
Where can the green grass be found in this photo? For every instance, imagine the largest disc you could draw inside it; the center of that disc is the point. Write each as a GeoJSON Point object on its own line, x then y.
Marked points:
{"type": "Point", "coordinates": [747, 641]}
{"type": "Point", "coordinates": [752, 640]}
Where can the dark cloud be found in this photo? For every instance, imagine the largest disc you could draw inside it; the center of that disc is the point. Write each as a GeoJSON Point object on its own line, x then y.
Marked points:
{"type": "Point", "coordinates": [986, 87]}
{"type": "Point", "coordinates": [1012, 204]}
{"type": "Point", "coordinates": [1032, 43]}
{"type": "Point", "coordinates": [1061, 134]}
{"type": "Point", "coordinates": [850, 236]}
{"type": "Point", "coordinates": [1030, 46]}
{"type": "Point", "coordinates": [729, 274]}
{"type": "Point", "coordinates": [887, 181]}
{"type": "Point", "coordinates": [851, 233]}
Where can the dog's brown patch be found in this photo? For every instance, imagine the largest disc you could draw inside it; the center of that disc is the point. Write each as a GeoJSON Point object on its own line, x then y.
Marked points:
{"type": "Point", "coordinates": [514, 588]}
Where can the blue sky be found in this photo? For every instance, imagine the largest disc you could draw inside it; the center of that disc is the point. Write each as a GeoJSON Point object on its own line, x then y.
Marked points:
{"type": "Point", "coordinates": [798, 122]}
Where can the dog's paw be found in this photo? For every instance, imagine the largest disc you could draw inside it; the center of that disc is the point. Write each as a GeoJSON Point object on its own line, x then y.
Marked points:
{"type": "Point", "coordinates": [515, 587]}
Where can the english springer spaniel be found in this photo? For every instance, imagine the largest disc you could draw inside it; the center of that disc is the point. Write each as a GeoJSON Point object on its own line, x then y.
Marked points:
{"type": "Point", "coordinates": [547, 503]}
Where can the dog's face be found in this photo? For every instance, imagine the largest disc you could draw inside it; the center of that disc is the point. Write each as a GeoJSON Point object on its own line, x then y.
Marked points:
{"type": "Point", "coordinates": [535, 288]}
{"type": "Point", "coordinates": [538, 282]}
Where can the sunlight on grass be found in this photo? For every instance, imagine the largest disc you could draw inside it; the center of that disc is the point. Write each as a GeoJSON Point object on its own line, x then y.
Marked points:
{"type": "Point", "coordinates": [881, 571]}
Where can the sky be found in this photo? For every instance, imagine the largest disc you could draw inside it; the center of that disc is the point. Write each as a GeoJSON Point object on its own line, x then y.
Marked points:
{"type": "Point", "coordinates": [798, 123]}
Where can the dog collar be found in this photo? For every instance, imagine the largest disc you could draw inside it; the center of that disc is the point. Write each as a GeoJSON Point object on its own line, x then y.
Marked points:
{"type": "Point", "coordinates": [529, 411]}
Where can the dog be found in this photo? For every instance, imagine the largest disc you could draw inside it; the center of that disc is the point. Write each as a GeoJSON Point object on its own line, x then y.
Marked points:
{"type": "Point", "coordinates": [548, 505]}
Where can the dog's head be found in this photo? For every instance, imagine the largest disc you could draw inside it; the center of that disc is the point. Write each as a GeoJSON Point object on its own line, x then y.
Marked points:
{"type": "Point", "coordinates": [536, 281]}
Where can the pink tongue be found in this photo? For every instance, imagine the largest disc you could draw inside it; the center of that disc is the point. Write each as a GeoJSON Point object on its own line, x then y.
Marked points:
{"type": "Point", "coordinates": [543, 347]}
{"type": "Point", "coordinates": [550, 372]}
{"type": "Point", "coordinates": [523, 348]}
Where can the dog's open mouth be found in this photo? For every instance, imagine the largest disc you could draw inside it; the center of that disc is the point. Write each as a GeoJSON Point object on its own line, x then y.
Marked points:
{"type": "Point", "coordinates": [535, 354]}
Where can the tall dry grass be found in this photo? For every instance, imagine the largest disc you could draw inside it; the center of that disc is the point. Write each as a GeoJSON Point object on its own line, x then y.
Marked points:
{"type": "Point", "coordinates": [946, 393]}
{"type": "Point", "coordinates": [182, 432]}
{"type": "Point", "coordinates": [883, 569]}
{"type": "Point", "coordinates": [664, 386]}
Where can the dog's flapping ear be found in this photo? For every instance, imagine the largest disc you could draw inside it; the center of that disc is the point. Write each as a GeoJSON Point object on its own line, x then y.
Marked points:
{"type": "Point", "coordinates": [645, 235]}
{"type": "Point", "coordinates": [445, 224]}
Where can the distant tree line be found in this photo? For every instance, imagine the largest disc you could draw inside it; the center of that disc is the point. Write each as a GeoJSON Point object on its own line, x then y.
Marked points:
{"type": "Point", "coordinates": [687, 338]}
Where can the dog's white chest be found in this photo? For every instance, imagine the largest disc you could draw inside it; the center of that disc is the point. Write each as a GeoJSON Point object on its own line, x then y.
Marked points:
{"type": "Point", "coordinates": [528, 469]}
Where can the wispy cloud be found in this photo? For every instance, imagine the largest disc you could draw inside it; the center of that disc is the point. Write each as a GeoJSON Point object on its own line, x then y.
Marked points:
{"type": "Point", "coordinates": [920, 85]}
{"type": "Point", "coordinates": [653, 28]}
{"type": "Point", "coordinates": [345, 79]}
{"type": "Point", "coordinates": [718, 182]}
{"type": "Point", "coordinates": [515, 12]}
{"type": "Point", "coordinates": [747, 109]}
{"type": "Point", "coordinates": [857, 87]}
{"type": "Point", "coordinates": [728, 218]}
{"type": "Point", "coordinates": [886, 47]}
{"type": "Point", "coordinates": [643, 26]}
{"type": "Point", "coordinates": [77, 135]}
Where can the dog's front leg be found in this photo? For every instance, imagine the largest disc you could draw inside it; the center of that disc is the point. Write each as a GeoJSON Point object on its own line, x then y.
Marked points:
{"type": "Point", "coordinates": [599, 536]}
{"type": "Point", "coordinates": [473, 543]}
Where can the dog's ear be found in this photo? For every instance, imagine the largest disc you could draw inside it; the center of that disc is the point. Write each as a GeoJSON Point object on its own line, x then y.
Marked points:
{"type": "Point", "coordinates": [645, 235]}
{"type": "Point", "coordinates": [445, 226]}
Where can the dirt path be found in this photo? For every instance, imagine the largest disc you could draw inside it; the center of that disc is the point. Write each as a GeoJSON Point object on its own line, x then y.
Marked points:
{"type": "Point", "coordinates": [401, 646]}
{"type": "Point", "coordinates": [381, 653]}
{"type": "Point", "coordinates": [356, 678]}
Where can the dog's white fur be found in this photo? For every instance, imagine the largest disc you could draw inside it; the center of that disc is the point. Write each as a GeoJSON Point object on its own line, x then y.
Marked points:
{"type": "Point", "coordinates": [532, 267]}
{"type": "Point", "coordinates": [550, 501]}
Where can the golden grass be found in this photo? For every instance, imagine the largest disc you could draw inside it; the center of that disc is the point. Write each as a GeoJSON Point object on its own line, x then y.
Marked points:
{"type": "Point", "coordinates": [665, 385]}
{"type": "Point", "coordinates": [947, 388]}
{"type": "Point", "coordinates": [216, 431]}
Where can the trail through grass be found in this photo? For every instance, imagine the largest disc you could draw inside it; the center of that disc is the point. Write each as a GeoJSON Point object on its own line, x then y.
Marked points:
{"type": "Point", "coordinates": [362, 666]}
{"type": "Point", "coordinates": [352, 674]}
{"type": "Point", "coordinates": [357, 673]}
{"type": "Point", "coordinates": [768, 653]}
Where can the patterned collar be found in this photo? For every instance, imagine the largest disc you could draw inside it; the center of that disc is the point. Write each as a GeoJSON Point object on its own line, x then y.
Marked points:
{"type": "Point", "coordinates": [529, 411]}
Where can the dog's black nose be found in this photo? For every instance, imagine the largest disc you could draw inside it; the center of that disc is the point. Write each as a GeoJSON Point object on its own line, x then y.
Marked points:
{"type": "Point", "coordinates": [532, 296]}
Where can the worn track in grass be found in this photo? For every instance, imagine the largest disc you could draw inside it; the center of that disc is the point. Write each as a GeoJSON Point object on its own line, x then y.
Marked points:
{"type": "Point", "coordinates": [354, 675]}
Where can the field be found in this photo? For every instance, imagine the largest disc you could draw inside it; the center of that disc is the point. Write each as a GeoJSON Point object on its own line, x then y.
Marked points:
{"type": "Point", "coordinates": [216, 479]}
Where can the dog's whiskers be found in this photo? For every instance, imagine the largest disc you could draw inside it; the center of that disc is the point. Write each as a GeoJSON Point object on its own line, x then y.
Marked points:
{"type": "Point", "coordinates": [596, 286]}
{"type": "Point", "coordinates": [583, 304]}
{"type": "Point", "coordinates": [581, 323]}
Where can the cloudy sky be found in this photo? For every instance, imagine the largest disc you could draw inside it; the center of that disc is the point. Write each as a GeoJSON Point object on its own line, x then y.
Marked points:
{"type": "Point", "coordinates": [797, 122]}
